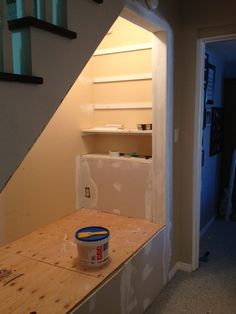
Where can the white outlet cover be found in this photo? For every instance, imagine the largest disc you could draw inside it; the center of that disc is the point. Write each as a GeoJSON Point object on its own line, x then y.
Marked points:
{"type": "Point", "coordinates": [152, 4]}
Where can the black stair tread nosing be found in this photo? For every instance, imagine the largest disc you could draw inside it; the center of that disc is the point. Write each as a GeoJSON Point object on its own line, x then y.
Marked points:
{"type": "Point", "coordinates": [28, 21]}
{"type": "Point", "coordinates": [11, 77]}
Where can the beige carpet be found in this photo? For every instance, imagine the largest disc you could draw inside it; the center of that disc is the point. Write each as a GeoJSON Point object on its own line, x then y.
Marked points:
{"type": "Point", "coordinates": [210, 289]}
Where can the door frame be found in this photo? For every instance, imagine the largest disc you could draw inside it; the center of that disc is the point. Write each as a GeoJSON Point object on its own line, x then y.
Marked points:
{"type": "Point", "coordinates": [162, 137]}
{"type": "Point", "coordinates": [198, 122]}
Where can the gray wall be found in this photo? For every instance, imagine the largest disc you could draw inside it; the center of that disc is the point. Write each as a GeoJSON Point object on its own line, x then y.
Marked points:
{"type": "Point", "coordinates": [199, 19]}
{"type": "Point", "coordinates": [212, 164]}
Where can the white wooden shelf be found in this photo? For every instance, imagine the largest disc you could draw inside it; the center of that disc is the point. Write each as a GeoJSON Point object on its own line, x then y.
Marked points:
{"type": "Point", "coordinates": [122, 78]}
{"type": "Point", "coordinates": [122, 49]}
{"type": "Point", "coordinates": [126, 158]}
{"type": "Point", "coordinates": [117, 106]}
{"type": "Point", "coordinates": [115, 131]}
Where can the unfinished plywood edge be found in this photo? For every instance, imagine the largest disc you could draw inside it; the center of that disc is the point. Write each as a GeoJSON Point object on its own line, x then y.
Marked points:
{"type": "Point", "coordinates": [137, 105]}
{"type": "Point", "coordinates": [122, 49]}
{"type": "Point", "coordinates": [122, 78]}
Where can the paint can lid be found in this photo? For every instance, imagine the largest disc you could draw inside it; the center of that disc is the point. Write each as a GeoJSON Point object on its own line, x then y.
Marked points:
{"type": "Point", "coordinates": [92, 233]}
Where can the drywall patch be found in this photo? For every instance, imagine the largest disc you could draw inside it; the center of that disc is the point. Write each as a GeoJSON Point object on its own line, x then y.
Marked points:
{"type": "Point", "coordinates": [100, 164]}
{"type": "Point", "coordinates": [86, 180]}
{"type": "Point", "coordinates": [92, 303]}
{"type": "Point", "coordinates": [116, 164]}
{"type": "Point", "coordinates": [86, 108]}
{"type": "Point", "coordinates": [117, 187]}
{"type": "Point", "coordinates": [148, 205]}
{"type": "Point", "coordinates": [116, 211]}
{"type": "Point", "coordinates": [136, 165]}
{"type": "Point", "coordinates": [128, 298]}
{"type": "Point", "coordinates": [148, 198]}
{"type": "Point", "coordinates": [148, 248]}
{"type": "Point", "coordinates": [78, 186]}
{"type": "Point", "coordinates": [147, 271]}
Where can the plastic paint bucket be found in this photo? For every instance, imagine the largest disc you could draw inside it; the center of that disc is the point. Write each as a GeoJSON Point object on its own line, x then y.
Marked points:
{"type": "Point", "coordinates": [92, 243]}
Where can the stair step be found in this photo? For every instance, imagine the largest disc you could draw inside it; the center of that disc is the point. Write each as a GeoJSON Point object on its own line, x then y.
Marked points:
{"type": "Point", "coordinates": [20, 78]}
{"type": "Point", "coordinates": [28, 21]}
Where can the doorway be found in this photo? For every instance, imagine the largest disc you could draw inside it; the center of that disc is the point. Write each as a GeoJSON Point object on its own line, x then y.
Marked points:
{"type": "Point", "coordinates": [215, 64]}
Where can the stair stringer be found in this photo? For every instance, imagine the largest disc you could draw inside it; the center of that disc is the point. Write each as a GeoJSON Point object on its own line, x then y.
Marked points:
{"type": "Point", "coordinates": [25, 110]}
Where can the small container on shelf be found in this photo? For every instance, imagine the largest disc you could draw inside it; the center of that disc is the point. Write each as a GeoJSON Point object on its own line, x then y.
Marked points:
{"type": "Point", "coordinates": [144, 126]}
{"type": "Point", "coordinates": [114, 154]}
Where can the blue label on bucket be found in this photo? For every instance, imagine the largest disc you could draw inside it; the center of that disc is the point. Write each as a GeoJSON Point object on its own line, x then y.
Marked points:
{"type": "Point", "coordinates": [91, 234]}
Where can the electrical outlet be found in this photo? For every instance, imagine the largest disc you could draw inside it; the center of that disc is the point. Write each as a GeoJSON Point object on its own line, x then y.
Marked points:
{"type": "Point", "coordinates": [87, 192]}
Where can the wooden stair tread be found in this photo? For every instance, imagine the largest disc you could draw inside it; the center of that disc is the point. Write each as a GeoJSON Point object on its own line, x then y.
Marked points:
{"type": "Point", "coordinates": [29, 21]}
{"type": "Point", "coordinates": [11, 77]}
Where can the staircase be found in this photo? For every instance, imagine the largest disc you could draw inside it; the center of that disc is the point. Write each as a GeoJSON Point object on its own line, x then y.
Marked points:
{"type": "Point", "coordinates": [44, 46]}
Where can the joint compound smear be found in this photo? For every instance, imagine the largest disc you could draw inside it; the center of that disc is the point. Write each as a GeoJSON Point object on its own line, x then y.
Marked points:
{"type": "Point", "coordinates": [148, 198]}
{"type": "Point", "coordinates": [92, 304]}
{"type": "Point", "coordinates": [128, 298]}
{"type": "Point", "coordinates": [147, 271]}
{"type": "Point", "coordinates": [100, 163]}
{"type": "Point", "coordinates": [88, 181]}
{"type": "Point", "coordinates": [148, 248]}
{"type": "Point", "coordinates": [116, 211]}
{"type": "Point", "coordinates": [116, 164]}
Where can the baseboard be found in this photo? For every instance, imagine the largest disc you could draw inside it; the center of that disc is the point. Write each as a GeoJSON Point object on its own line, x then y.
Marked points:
{"type": "Point", "coordinates": [207, 226]}
{"type": "Point", "coordinates": [172, 272]}
{"type": "Point", "coordinates": [185, 267]}
{"type": "Point", "coordinates": [179, 266]}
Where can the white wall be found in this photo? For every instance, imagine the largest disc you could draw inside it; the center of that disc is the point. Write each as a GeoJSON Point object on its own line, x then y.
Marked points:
{"type": "Point", "coordinates": [122, 186]}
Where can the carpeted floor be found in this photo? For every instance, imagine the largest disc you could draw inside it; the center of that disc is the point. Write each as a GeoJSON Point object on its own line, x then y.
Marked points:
{"type": "Point", "coordinates": [212, 288]}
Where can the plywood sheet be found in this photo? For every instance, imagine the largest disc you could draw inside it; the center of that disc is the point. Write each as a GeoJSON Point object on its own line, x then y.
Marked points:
{"type": "Point", "coordinates": [39, 287]}
{"type": "Point", "coordinates": [54, 244]}
{"type": "Point", "coordinates": [51, 279]}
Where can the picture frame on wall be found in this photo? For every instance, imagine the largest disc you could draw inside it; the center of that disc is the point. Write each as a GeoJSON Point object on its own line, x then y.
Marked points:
{"type": "Point", "coordinates": [210, 84]}
{"type": "Point", "coordinates": [205, 69]}
{"type": "Point", "coordinates": [208, 117]}
{"type": "Point", "coordinates": [216, 131]}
